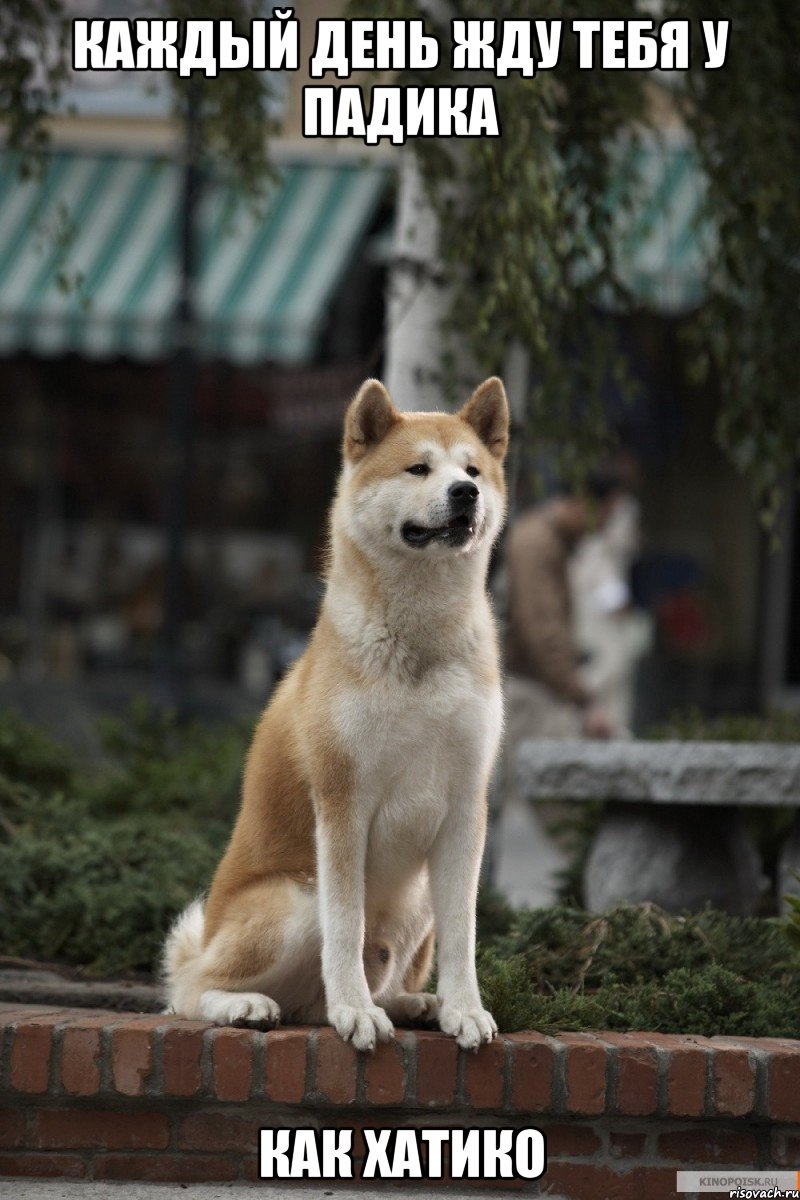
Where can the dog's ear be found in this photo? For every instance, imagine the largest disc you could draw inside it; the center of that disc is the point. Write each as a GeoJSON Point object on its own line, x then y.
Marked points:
{"type": "Point", "coordinates": [369, 418]}
{"type": "Point", "coordinates": [487, 412]}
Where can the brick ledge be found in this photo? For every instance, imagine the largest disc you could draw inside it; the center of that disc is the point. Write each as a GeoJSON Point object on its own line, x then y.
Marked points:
{"type": "Point", "coordinates": [121, 1095]}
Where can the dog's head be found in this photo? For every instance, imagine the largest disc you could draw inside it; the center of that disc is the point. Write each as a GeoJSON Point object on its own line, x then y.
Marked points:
{"type": "Point", "coordinates": [427, 484]}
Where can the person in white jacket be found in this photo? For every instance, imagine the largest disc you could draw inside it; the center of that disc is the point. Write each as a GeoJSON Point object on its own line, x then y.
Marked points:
{"type": "Point", "coordinates": [610, 634]}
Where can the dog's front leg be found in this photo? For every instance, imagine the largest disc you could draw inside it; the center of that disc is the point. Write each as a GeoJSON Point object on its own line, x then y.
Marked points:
{"type": "Point", "coordinates": [454, 866]}
{"type": "Point", "coordinates": [341, 856]}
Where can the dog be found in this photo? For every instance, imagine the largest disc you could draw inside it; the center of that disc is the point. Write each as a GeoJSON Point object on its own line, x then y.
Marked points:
{"type": "Point", "coordinates": [363, 812]}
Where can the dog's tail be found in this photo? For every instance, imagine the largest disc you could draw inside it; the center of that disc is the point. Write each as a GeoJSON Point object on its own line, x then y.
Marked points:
{"type": "Point", "coordinates": [182, 950]}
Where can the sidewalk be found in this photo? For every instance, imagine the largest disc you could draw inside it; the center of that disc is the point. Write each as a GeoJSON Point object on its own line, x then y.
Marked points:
{"type": "Point", "coordinates": [58, 1189]}
{"type": "Point", "coordinates": [527, 857]}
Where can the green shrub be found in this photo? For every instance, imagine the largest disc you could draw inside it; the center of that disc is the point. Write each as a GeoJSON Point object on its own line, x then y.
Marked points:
{"type": "Point", "coordinates": [567, 947]}
{"type": "Point", "coordinates": [95, 863]}
{"type": "Point", "coordinates": [160, 765]}
{"type": "Point", "coordinates": [100, 894]}
{"type": "Point", "coordinates": [692, 725]}
{"type": "Point", "coordinates": [710, 1002]}
{"type": "Point", "coordinates": [637, 968]}
{"type": "Point", "coordinates": [30, 756]}
{"type": "Point", "coordinates": [792, 922]}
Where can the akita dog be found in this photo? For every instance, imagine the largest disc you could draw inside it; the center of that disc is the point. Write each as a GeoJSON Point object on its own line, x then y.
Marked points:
{"type": "Point", "coordinates": [363, 814]}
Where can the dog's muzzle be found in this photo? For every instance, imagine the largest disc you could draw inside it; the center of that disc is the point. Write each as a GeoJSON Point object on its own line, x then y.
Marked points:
{"type": "Point", "coordinates": [462, 498]}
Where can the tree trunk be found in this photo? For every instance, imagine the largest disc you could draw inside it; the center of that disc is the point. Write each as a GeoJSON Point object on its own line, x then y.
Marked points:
{"type": "Point", "coordinates": [418, 298]}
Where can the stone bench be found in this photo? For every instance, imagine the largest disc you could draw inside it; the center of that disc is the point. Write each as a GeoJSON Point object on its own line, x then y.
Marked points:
{"type": "Point", "coordinates": [672, 832]}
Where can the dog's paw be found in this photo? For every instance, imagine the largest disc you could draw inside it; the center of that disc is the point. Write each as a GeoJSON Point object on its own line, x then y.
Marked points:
{"type": "Point", "coordinates": [361, 1026]}
{"type": "Point", "coordinates": [469, 1026]}
{"type": "Point", "coordinates": [413, 1006]}
{"type": "Point", "coordinates": [250, 1009]}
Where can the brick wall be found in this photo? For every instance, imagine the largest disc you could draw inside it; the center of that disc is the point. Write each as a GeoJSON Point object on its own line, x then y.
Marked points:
{"type": "Point", "coordinates": [106, 1095]}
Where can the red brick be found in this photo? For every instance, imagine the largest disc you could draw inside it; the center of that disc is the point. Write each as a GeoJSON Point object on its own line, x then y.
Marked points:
{"type": "Point", "coordinates": [379, 1121]}
{"type": "Point", "coordinates": [12, 1128]}
{"type": "Point", "coordinates": [166, 1168]}
{"type": "Point", "coordinates": [785, 1147]}
{"type": "Point", "coordinates": [709, 1146]}
{"type": "Point", "coordinates": [337, 1065]}
{"type": "Point", "coordinates": [285, 1079]}
{"type": "Point", "coordinates": [182, 1050]}
{"type": "Point", "coordinates": [532, 1059]}
{"type": "Point", "coordinates": [570, 1140]}
{"type": "Point", "coordinates": [437, 1061]}
{"type": "Point", "coordinates": [10, 1013]}
{"type": "Point", "coordinates": [80, 1061]}
{"type": "Point", "coordinates": [142, 1020]}
{"type": "Point", "coordinates": [687, 1071]}
{"type": "Point", "coordinates": [585, 1074]}
{"type": "Point", "coordinates": [584, 1181]}
{"type": "Point", "coordinates": [467, 1185]}
{"type": "Point", "coordinates": [637, 1083]}
{"type": "Point", "coordinates": [32, 1052]}
{"type": "Point", "coordinates": [215, 1132]}
{"type": "Point", "coordinates": [91, 1019]}
{"type": "Point", "coordinates": [13, 1010]}
{"type": "Point", "coordinates": [355, 1125]}
{"type": "Point", "coordinates": [42, 1166]}
{"type": "Point", "coordinates": [385, 1073]}
{"type": "Point", "coordinates": [637, 1074]}
{"type": "Point", "coordinates": [232, 1063]}
{"type": "Point", "coordinates": [77, 1129]}
{"type": "Point", "coordinates": [734, 1083]}
{"type": "Point", "coordinates": [132, 1058]}
{"type": "Point", "coordinates": [626, 1145]}
{"type": "Point", "coordinates": [250, 1169]}
{"type": "Point", "coordinates": [658, 1183]}
{"type": "Point", "coordinates": [784, 1085]}
{"type": "Point", "coordinates": [750, 1043]}
{"type": "Point", "coordinates": [483, 1075]}
{"type": "Point", "coordinates": [462, 1184]}
{"type": "Point", "coordinates": [250, 1173]}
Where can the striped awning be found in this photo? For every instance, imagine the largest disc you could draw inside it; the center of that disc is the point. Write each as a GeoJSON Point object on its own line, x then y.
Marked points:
{"type": "Point", "coordinates": [663, 245]}
{"type": "Point", "coordinates": [89, 257]}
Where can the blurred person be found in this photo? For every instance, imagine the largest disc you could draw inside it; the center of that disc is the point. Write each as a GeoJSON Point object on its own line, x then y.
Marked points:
{"type": "Point", "coordinates": [611, 634]}
{"type": "Point", "coordinates": [547, 695]}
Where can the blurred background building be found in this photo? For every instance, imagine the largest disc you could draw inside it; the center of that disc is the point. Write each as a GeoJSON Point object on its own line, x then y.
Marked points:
{"type": "Point", "coordinates": [287, 316]}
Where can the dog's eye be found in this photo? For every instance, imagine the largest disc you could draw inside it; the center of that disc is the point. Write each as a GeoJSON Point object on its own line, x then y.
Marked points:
{"type": "Point", "coordinates": [419, 469]}
{"type": "Point", "coordinates": [472, 471]}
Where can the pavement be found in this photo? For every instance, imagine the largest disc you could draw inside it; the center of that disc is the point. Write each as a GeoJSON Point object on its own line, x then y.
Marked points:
{"type": "Point", "coordinates": [527, 859]}
{"type": "Point", "coordinates": [57, 1189]}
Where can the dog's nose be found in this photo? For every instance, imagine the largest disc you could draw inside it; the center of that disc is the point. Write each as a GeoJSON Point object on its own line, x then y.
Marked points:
{"type": "Point", "coordinates": [462, 494]}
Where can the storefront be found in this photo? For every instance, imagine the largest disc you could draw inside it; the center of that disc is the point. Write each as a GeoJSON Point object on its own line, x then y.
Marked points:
{"type": "Point", "coordinates": [288, 314]}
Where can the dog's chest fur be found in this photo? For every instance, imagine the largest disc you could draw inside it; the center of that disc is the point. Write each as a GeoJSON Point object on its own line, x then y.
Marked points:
{"type": "Point", "coordinates": [418, 737]}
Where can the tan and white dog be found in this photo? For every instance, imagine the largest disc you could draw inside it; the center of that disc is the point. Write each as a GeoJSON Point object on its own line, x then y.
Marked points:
{"type": "Point", "coordinates": [364, 801]}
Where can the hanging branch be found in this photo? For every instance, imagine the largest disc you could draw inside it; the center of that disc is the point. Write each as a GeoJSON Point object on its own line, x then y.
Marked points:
{"type": "Point", "coordinates": [533, 201]}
